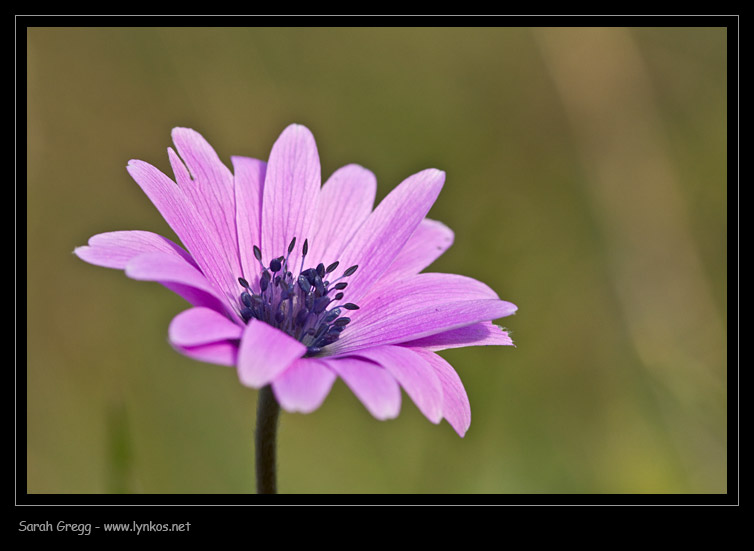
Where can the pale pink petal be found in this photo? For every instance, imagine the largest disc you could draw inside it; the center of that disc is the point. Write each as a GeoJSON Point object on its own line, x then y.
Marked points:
{"type": "Point", "coordinates": [289, 197]}
{"type": "Point", "coordinates": [304, 385]}
{"type": "Point", "coordinates": [484, 333]}
{"type": "Point", "coordinates": [344, 202]}
{"type": "Point", "coordinates": [430, 240]}
{"type": "Point", "coordinates": [164, 267]}
{"type": "Point", "coordinates": [181, 215]}
{"type": "Point", "coordinates": [178, 275]}
{"type": "Point", "coordinates": [419, 306]}
{"type": "Point", "coordinates": [220, 353]}
{"type": "Point", "coordinates": [265, 352]}
{"type": "Point", "coordinates": [414, 374]}
{"type": "Point", "coordinates": [208, 185]}
{"type": "Point", "coordinates": [384, 233]}
{"type": "Point", "coordinates": [167, 197]}
{"type": "Point", "coordinates": [202, 326]}
{"type": "Point", "coordinates": [207, 182]}
{"type": "Point", "coordinates": [374, 386]}
{"type": "Point", "coordinates": [196, 297]}
{"type": "Point", "coordinates": [249, 175]}
{"type": "Point", "coordinates": [455, 403]}
{"type": "Point", "coordinates": [419, 319]}
{"type": "Point", "coordinates": [115, 249]}
{"type": "Point", "coordinates": [432, 286]}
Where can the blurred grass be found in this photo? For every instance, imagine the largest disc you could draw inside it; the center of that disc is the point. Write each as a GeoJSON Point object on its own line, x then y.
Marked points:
{"type": "Point", "coordinates": [586, 182]}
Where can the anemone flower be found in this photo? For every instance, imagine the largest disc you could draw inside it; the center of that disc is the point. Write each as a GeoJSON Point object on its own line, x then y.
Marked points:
{"type": "Point", "coordinates": [295, 284]}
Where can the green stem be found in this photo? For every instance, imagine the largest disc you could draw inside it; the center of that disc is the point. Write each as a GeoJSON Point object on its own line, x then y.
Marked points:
{"type": "Point", "coordinates": [268, 411]}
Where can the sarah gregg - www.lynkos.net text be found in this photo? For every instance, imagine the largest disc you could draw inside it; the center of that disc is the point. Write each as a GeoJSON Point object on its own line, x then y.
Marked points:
{"type": "Point", "coordinates": [86, 528]}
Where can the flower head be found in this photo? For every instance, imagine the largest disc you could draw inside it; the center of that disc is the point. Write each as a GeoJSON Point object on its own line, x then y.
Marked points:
{"type": "Point", "coordinates": [296, 283]}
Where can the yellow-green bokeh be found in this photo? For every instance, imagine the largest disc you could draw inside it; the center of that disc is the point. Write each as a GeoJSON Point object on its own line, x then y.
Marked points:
{"type": "Point", "coordinates": [586, 182]}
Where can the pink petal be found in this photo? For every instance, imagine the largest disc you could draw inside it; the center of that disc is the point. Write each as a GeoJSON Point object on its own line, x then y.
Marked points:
{"type": "Point", "coordinates": [164, 267]}
{"type": "Point", "coordinates": [207, 182]}
{"type": "Point", "coordinates": [265, 352]}
{"type": "Point", "coordinates": [430, 240]}
{"type": "Point", "coordinates": [484, 333]}
{"type": "Point", "coordinates": [414, 374]}
{"type": "Point", "coordinates": [220, 353]}
{"type": "Point", "coordinates": [115, 249]}
{"type": "Point", "coordinates": [455, 403]}
{"type": "Point", "coordinates": [208, 185]}
{"type": "Point", "coordinates": [167, 197]}
{"type": "Point", "coordinates": [381, 237]}
{"type": "Point", "coordinates": [178, 275]}
{"type": "Point", "coordinates": [183, 218]}
{"type": "Point", "coordinates": [289, 197]}
{"type": "Point", "coordinates": [372, 385]}
{"type": "Point", "coordinates": [201, 326]}
{"type": "Point", "coordinates": [344, 202]}
{"type": "Point", "coordinates": [419, 306]}
{"type": "Point", "coordinates": [437, 287]}
{"type": "Point", "coordinates": [249, 175]}
{"type": "Point", "coordinates": [304, 385]}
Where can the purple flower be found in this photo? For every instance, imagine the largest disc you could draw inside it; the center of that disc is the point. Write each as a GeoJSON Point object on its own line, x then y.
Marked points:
{"type": "Point", "coordinates": [296, 284]}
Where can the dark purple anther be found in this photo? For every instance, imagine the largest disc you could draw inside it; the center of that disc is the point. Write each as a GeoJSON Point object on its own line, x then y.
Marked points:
{"type": "Point", "coordinates": [331, 315]}
{"type": "Point", "coordinates": [304, 283]}
{"type": "Point", "coordinates": [264, 281]}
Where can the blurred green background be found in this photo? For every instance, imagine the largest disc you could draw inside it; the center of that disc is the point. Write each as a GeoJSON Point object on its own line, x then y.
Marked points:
{"type": "Point", "coordinates": [586, 182]}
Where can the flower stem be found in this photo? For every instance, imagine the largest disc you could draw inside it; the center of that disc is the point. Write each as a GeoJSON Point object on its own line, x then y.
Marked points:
{"type": "Point", "coordinates": [268, 411]}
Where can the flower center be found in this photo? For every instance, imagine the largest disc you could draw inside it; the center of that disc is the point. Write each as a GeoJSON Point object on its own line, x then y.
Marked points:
{"type": "Point", "coordinates": [298, 304]}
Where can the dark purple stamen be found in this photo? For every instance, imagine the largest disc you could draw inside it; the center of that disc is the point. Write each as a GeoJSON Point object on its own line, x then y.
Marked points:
{"type": "Point", "coordinates": [331, 315]}
{"type": "Point", "coordinates": [319, 284]}
{"type": "Point", "coordinates": [264, 281]}
{"type": "Point", "coordinates": [304, 283]}
{"type": "Point", "coordinates": [298, 303]}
